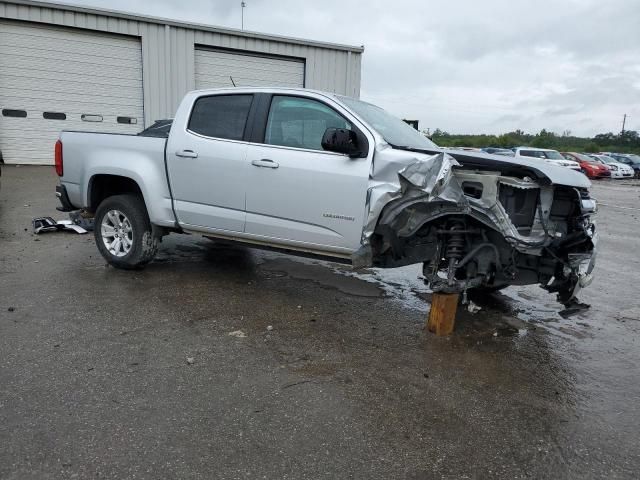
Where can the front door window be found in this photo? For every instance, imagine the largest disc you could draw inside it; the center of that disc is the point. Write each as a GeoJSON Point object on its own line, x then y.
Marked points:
{"type": "Point", "coordinates": [300, 122]}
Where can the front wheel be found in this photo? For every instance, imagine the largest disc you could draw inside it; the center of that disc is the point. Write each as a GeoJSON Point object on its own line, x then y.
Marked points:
{"type": "Point", "coordinates": [123, 232]}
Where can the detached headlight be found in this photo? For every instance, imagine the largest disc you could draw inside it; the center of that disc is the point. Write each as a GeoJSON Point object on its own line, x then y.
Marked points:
{"type": "Point", "coordinates": [587, 203]}
{"type": "Point", "coordinates": [589, 206]}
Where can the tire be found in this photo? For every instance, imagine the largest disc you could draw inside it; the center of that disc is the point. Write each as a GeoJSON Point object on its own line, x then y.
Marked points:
{"type": "Point", "coordinates": [123, 232]}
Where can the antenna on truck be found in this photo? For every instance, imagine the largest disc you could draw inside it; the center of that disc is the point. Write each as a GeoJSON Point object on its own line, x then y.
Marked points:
{"type": "Point", "coordinates": [234, 83]}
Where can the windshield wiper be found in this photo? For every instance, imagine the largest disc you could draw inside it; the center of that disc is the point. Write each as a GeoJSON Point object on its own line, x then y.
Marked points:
{"type": "Point", "coordinates": [436, 149]}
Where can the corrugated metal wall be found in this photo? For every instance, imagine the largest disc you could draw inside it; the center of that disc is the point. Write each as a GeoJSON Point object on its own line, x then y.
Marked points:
{"type": "Point", "coordinates": [168, 52]}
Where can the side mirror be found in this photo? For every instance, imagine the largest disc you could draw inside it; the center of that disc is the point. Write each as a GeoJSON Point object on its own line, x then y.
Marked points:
{"type": "Point", "coordinates": [341, 140]}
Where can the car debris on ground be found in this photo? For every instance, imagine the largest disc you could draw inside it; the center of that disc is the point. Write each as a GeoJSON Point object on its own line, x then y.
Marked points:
{"type": "Point", "coordinates": [48, 224]}
{"type": "Point", "coordinates": [473, 308]}
{"type": "Point", "coordinates": [82, 218]}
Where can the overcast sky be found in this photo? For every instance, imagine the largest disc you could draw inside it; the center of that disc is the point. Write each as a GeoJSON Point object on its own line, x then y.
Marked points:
{"type": "Point", "coordinates": [465, 66]}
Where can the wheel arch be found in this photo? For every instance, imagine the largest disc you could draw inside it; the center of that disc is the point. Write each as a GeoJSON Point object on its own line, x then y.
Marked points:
{"type": "Point", "coordinates": [104, 185]}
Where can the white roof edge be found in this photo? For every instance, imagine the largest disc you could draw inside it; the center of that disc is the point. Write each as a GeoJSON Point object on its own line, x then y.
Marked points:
{"type": "Point", "coordinates": [262, 89]}
{"type": "Point", "coordinates": [539, 148]}
{"type": "Point", "coordinates": [274, 90]}
{"type": "Point", "coordinates": [183, 24]}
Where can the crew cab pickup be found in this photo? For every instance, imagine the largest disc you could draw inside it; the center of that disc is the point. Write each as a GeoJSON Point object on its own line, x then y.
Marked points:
{"type": "Point", "coordinates": [309, 172]}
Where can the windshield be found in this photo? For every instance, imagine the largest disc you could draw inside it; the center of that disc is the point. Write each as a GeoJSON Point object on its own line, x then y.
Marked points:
{"type": "Point", "coordinates": [607, 159]}
{"type": "Point", "coordinates": [584, 158]}
{"type": "Point", "coordinates": [553, 155]}
{"type": "Point", "coordinates": [626, 159]}
{"type": "Point", "coordinates": [393, 130]}
{"type": "Point", "coordinates": [634, 158]}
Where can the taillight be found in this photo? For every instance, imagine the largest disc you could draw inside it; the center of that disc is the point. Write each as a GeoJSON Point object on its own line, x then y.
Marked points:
{"type": "Point", "coordinates": [58, 156]}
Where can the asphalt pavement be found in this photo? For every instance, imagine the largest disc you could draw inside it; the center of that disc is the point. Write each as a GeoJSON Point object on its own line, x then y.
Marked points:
{"type": "Point", "coordinates": [223, 362]}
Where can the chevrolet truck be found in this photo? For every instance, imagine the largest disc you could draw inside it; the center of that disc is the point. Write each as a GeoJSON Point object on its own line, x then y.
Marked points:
{"type": "Point", "coordinates": [308, 172]}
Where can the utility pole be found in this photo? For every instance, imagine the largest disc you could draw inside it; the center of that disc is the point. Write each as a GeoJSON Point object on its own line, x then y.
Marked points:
{"type": "Point", "coordinates": [624, 120]}
{"type": "Point", "coordinates": [242, 5]}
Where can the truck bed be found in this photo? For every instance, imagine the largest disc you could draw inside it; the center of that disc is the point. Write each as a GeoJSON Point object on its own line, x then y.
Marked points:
{"type": "Point", "coordinates": [89, 154]}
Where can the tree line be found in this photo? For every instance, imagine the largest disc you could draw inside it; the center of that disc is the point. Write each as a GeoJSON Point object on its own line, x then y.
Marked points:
{"type": "Point", "coordinates": [624, 142]}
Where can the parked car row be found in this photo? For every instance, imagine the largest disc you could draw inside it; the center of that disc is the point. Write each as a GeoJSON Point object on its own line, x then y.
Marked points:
{"type": "Point", "coordinates": [550, 156]}
{"type": "Point", "coordinates": [593, 165]}
{"type": "Point", "coordinates": [630, 160]}
{"type": "Point", "coordinates": [588, 165]}
{"type": "Point", "coordinates": [617, 169]}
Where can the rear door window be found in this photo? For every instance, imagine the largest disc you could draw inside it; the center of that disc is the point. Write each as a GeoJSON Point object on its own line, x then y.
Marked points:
{"type": "Point", "coordinates": [221, 116]}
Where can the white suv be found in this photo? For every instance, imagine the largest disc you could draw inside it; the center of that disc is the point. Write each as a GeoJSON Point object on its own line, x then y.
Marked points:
{"type": "Point", "coordinates": [550, 156]}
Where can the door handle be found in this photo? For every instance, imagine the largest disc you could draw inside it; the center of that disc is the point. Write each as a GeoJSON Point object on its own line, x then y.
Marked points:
{"type": "Point", "coordinates": [186, 154]}
{"type": "Point", "coordinates": [265, 162]}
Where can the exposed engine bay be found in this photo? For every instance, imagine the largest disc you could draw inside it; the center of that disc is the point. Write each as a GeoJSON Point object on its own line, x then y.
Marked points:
{"type": "Point", "coordinates": [474, 227]}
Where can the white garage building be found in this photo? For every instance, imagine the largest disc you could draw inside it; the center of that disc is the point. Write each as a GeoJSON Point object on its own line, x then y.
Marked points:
{"type": "Point", "coordinates": [73, 68]}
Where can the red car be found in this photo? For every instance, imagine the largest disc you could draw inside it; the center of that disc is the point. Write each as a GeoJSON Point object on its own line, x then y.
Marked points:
{"type": "Point", "coordinates": [589, 166]}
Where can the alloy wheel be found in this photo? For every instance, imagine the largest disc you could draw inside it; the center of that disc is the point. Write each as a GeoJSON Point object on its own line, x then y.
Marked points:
{"type": "Point", "coordinates": [116, 232]}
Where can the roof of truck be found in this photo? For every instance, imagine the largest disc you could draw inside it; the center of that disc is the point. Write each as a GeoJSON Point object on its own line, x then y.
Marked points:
{"type": "Point", "coordinates": [266, 90]}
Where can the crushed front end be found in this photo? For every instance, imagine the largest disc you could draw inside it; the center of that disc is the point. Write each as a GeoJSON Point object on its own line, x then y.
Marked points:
{"type": "Point", "coordinates": [476, 227]}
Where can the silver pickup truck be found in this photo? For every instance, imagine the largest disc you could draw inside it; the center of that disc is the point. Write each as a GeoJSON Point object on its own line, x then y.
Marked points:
{"type": "Point", "coordinates": [315, 173]}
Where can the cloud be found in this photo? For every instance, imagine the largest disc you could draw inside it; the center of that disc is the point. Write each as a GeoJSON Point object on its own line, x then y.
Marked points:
{"type": "Point", "coordinates": [464, 66]}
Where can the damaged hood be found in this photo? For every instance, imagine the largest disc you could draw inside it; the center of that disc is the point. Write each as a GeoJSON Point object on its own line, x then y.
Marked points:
{"type": "Point", "coordinates": [428, 177]}
{"type": "Point", "coordinates": [554, 173]}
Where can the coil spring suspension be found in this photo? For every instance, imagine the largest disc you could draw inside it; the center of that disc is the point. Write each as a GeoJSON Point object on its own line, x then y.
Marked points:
{"type": "Point", "coordinates": [455, 249]}
{"type": "Point", "coordinates": [455, 242]}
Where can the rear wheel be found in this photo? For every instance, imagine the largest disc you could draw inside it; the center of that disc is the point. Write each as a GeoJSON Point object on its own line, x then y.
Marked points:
{"type": "Point", "coordinates": [123, 232]}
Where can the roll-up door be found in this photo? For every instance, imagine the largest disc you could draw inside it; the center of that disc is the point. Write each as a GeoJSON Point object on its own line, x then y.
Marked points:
{"type": "Point", "coordinates": [214, 69]}
{"type": "Point", "coordinates": [54, 79]}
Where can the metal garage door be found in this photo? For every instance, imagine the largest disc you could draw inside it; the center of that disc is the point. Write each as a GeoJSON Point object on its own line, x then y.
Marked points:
{"type": "Point", "coordinates": [54, 79]}
{"type": "Point", "coordinates": [213, 69]}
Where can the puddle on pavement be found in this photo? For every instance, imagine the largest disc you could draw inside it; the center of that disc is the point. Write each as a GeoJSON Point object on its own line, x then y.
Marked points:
{"type": "Point", "coordinates": [320, 274]}
{"type": "Point", "coordinates": [400, 284]}
{"type": "Point", "coordinates": [509, 313]}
